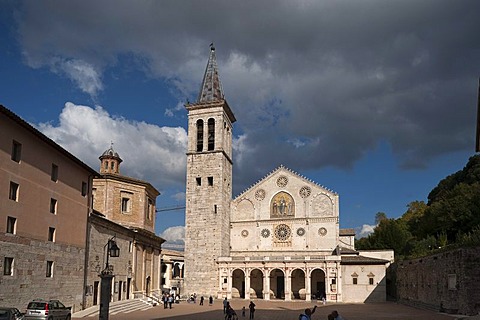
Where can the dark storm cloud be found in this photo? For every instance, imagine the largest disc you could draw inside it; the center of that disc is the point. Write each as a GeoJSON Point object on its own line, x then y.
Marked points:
{"type": "Point", "coordinates": [312, 83]}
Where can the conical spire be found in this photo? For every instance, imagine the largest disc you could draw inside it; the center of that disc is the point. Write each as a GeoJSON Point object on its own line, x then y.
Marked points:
{"type": "Point", "coordinates": [211, 89]}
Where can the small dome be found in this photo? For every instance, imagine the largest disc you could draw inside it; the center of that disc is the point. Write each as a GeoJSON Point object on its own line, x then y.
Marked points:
{"type": "Point", "coordinates": [110, 153]}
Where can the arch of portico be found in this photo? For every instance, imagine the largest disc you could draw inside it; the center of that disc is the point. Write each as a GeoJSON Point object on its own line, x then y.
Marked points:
{"type": "Point", "coordinates": [287, 282]}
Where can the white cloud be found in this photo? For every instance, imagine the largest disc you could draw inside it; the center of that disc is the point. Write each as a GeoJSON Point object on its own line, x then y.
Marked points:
{"type": "Point", "coordinates": [365, 230]}
{"type": "Point", "coordinates": [149, 152]}
{"type": "Point", "coordinates": [175, 236]}
{"type": "Point", "coordinates": [83, 74]}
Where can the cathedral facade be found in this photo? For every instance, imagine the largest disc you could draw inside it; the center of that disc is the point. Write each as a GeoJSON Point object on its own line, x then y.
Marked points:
{"type": "Point", "coordinates": [279, 239]}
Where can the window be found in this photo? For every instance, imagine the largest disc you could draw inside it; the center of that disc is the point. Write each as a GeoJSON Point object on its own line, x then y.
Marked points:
{"type": "Point", "coordinates": [130, 246]}
{"type": "Point", "coordinates": [126, 202]}
{"type": "Point", "coordinates": [11, 225]}
{"type": "Point", "coordinates": [106, 165]}
{"type": "Point", "coordinates": [49, 269]}
{"type": "Point", "coordinates": [210, 181]}
{"type": "Point", "coordinates": [150, 209]}
{"type": "Point", "coordinates": [84, 188]}
{"type": "Point", "coordinates": [16, 151]}
{"type": "Point", "coordinates": [8, 266]}
{"type": "Point", "coordinates": [112, 165]}
{"type": "Point", "coordinates": [51, 234]}
{"type": "Point", "coordinates": [370, 281]}
{"type": "Point", "coordinates": [13, 194]}
{"type": "Point", "coordinates": [53, 206]}
{"type": "Point", "coordinates": [199, 135]}
{"type": "Point", "coordinates": [355, 280]}
{"type": "Point", "coordinates": [199, 181]}
{"type": "Point", "coordinates": [211, 134]}
{"type": "Point", "coordinates": [54, 173]}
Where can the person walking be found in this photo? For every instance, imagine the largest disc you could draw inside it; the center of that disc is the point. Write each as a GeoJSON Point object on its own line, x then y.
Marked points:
{"type": "Point", "coordinates": [170, 301]}
{"type": "Point", "coordinates": [251, 306]}
{"type": "Point", "coordinates": [201, 300]}
{"type": "Point", "coordinates": [225, 305]}
{"type": "Point", "coordinates": [210, 300]}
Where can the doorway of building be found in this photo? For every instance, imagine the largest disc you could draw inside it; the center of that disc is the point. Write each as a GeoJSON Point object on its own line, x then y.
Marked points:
{"type": "Point", "coordinates": [318, 284]}
{"type": "Point", "coordinates": [95, 292]}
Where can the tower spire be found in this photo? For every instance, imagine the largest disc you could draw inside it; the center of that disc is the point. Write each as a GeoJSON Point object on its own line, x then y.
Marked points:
{"type": "Point", "coordinates": [211, 89]}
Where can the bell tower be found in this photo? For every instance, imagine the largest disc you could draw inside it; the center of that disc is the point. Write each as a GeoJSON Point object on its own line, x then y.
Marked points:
{"type": "Point", "coordinates": [209, 184]}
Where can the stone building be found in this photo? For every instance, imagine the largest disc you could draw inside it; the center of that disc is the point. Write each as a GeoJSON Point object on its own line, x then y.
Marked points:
{"type": "Point", "coordinates": [44, 208]}
{"type": "Point", "coordinates": [279, 239]}
{"type": "Point", "coordinates": [172, 271]}
{"type": "Point", "coordinates": [124, 211]}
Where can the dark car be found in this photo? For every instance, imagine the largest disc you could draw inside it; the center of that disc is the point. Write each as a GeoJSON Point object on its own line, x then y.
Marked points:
{"type": "Point", "coordinates": [47, 310]}
{"type": "Point", "coordinates": [9, 313]}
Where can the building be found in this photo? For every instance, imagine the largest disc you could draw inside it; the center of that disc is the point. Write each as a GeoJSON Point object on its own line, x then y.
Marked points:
{"type": "Point", "coordinates": [172, 271]}
{"type": "Point", "coordinates": [124, 211]}
{"type": "Point", "coordinates": [44, 208]}
{"type": "Point", "coordinates": [279, 239]}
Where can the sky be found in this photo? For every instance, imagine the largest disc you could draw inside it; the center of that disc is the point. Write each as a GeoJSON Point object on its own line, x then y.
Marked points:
{"type": "Point", "coordinates": [375, 100]}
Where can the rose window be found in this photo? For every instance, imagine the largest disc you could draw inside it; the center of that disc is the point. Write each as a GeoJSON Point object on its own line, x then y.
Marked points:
{"type": "Point", "coordinates": [322, 231]}
{"type": "Point", "coordinates": [283, 232]}
{"type": "Point", "coordinates": [305, 192]}
{"type": "Point", "coordinates": [265, 233]}
{"type": "Point", "coordinates": [282, 181]}
{"type": "Point", "coordinates": [244, 233]}
{"type": "Point", "coordinates": [260, 194]}
{"type": "Point", "coordinates": [300, 231]}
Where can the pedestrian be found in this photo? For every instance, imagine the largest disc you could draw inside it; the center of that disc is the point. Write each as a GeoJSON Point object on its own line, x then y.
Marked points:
{"type": "Point", "coordinates": [251, 306]}
{"type": "Point", "coordinates": [170, 301]}
{"type": "Point", "coordinates": [165, 301]}
{"type": "Point", "coordinates": [308, 313]}
{"type": "Point", "coordinates": [336, 316]}
{"type": "Point", "coordinates": [243, 312]}
{"type": "Point", "coordinates": [201, 300]}
{"type": "Point", "coordinates": [210, 300]}
{"type": "Point", "coordinates": [225, 304]}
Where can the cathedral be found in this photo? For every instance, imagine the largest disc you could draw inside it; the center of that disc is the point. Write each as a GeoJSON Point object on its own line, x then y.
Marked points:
{"type": "Point", "coordinates": [279, 239]}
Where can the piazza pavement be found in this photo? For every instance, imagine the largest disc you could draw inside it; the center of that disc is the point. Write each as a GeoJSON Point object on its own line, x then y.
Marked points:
{"type": "Point", "coordinates": [280, 310]}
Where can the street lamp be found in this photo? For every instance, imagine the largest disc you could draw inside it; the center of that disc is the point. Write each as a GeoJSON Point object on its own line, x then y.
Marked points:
{"type": "Point", "coordinates": [111, 250]}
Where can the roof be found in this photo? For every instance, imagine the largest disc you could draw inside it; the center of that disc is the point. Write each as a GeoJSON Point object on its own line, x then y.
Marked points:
{"type": "Point", "coordinates": [347, 232]}
{"type": "Point", "coordinates": [211, 89]}
{"type": "Point", "coordinates": [362, 260]}
{"type": "Point", "coordinates": [110, 153]}
{"type": "Point", "coordinates": [119, 177]}
{"type": "Point", "coordinates": [282, 168]}
{"type": "Point", "coordinates": [45, 139]}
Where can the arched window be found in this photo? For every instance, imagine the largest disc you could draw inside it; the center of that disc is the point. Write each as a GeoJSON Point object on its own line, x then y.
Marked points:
{"type": "Point", "coordinates": [211, 134]}
{"type": "Point", "coordinates": [199, 135]}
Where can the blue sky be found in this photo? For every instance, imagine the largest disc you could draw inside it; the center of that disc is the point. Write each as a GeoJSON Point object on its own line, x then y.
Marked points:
{"type": "Point", "coordinates": [374, 100]}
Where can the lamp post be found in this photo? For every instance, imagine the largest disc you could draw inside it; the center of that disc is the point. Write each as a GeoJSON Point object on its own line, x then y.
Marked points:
{"type": "Point", "coordinates": [112, 250]}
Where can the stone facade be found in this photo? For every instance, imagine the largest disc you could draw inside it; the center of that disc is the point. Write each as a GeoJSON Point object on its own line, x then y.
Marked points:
{"type": "Point", "coordinates": [44, 225]}
{"type": "Point", "coordinates": [447, 281]}
{"type": "Point", "coordinates": [280, 239]}
{"type": "Point", "coordinates": [173, 272]}
{"type": "Point", "coordinates": [124, 209]}
{"type": "Point", "coordinates": [137, 271]}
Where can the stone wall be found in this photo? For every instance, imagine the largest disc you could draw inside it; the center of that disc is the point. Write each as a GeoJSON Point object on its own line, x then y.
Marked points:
{"type": "Point", "coordinates": [447, 281]}
{"type": "Point", "coordinates": [29, 280]}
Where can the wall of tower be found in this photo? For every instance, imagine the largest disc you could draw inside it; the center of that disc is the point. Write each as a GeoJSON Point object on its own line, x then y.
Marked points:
{"type": "Point", "coordinates": [208, 194]}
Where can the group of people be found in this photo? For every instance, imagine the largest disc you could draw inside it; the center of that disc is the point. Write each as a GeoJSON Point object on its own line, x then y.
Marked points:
{"type": "Point", "coordinates": [230, 314]}
{"type": "Point", "coordinates": [168, 300]}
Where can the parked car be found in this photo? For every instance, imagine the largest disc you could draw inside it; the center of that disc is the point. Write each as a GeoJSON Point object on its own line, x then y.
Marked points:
{"type": "Point", "coordinates": [47, 310]}
{"type": "Point", "coordinates": [9, 313]}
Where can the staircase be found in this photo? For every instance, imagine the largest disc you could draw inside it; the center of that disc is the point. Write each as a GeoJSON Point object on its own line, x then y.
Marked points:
{"type": "Point", "coordinates": [123, 306]}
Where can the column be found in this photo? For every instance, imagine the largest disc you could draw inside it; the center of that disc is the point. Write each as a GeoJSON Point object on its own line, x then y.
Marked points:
{"type": "Point", "coordinates": [308, 285]}
{"type": "Point", "coordinates": [266, 285]}
{"type": "Point", "coordinates": [229, 284]}
{"type": "Point", "coordinates": [288, 285]}
{"type": "Point", "coordinates": [247, 283]}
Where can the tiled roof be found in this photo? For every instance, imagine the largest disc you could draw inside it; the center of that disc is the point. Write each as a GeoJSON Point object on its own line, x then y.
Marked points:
{"type": "Point", "coordinates": [362, 260]}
